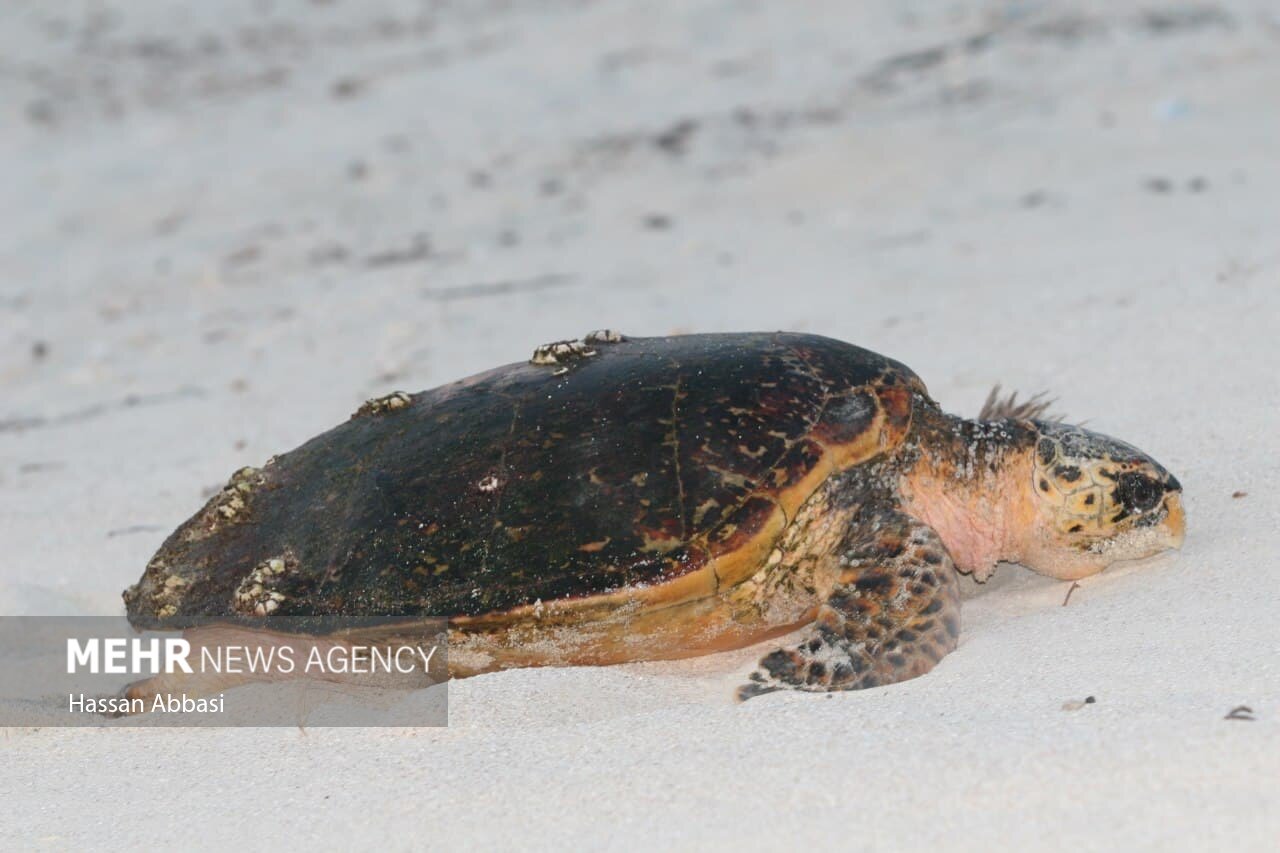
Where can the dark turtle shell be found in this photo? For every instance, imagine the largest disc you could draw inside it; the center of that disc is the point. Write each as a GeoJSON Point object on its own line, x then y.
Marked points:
{"type": "Point", "coordinates": [665, 467]}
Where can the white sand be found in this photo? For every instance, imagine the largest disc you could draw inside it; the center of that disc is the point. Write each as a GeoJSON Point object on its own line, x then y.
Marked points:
{"type": "Point", "coordinates": [212, 213]}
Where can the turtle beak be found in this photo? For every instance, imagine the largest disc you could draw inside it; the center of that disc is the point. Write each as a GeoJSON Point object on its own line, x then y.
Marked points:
{"type": "Point", "coordinates": [1175, 521]}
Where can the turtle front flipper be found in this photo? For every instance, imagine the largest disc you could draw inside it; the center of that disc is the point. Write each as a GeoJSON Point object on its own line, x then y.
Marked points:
{"type": "Point", "coordinates": [893, 614]}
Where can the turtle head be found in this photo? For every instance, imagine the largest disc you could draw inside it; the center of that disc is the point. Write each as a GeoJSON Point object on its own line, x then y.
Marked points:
{"type": "Point", "coordinates": [1096, 501]}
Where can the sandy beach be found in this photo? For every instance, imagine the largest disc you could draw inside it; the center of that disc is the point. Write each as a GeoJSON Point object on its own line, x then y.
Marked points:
{"type": "Point", "coordinates": [229, 224]}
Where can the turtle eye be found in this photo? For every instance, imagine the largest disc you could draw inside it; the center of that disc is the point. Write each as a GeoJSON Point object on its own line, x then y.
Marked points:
{"type": "Point", "coordinates": [1138, 492]}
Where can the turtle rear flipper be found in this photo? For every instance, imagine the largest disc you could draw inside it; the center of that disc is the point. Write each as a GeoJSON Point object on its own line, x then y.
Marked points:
{"type": "Point", "coordinates": [893, 614]}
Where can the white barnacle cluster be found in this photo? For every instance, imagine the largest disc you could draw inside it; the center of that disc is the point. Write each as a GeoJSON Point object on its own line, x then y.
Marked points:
{"type": "Point", "coordinates": [255, 595]}
{"type": "Point", "coordinates": [603, 336]}
{"type": "Point", "coordinates": [165, 590]}
{"type": "Point", "coordinates": [168, 596]}
{"type": "Point", "coordinates": [392, 402]}
{"type": "Point", "coordinates": [232, 501]}
{"type": "Point", "coordinates": [561, 353]}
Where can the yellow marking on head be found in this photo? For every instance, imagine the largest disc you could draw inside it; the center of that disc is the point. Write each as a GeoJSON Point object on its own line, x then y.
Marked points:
{"type": "Point", "coordinates": [1100, 501]}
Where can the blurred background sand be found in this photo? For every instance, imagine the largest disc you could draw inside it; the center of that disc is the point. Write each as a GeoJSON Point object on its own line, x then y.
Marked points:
{"type": "Point", "coordinates": [228, 224]}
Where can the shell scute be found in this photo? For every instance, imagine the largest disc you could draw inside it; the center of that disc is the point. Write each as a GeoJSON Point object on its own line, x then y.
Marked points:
{"type": "Point", "coordinates": [798, 464]}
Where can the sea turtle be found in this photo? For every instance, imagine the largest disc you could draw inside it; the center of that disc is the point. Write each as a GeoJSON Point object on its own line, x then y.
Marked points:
{"type": "Point", "coordinates": [618, 499]}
